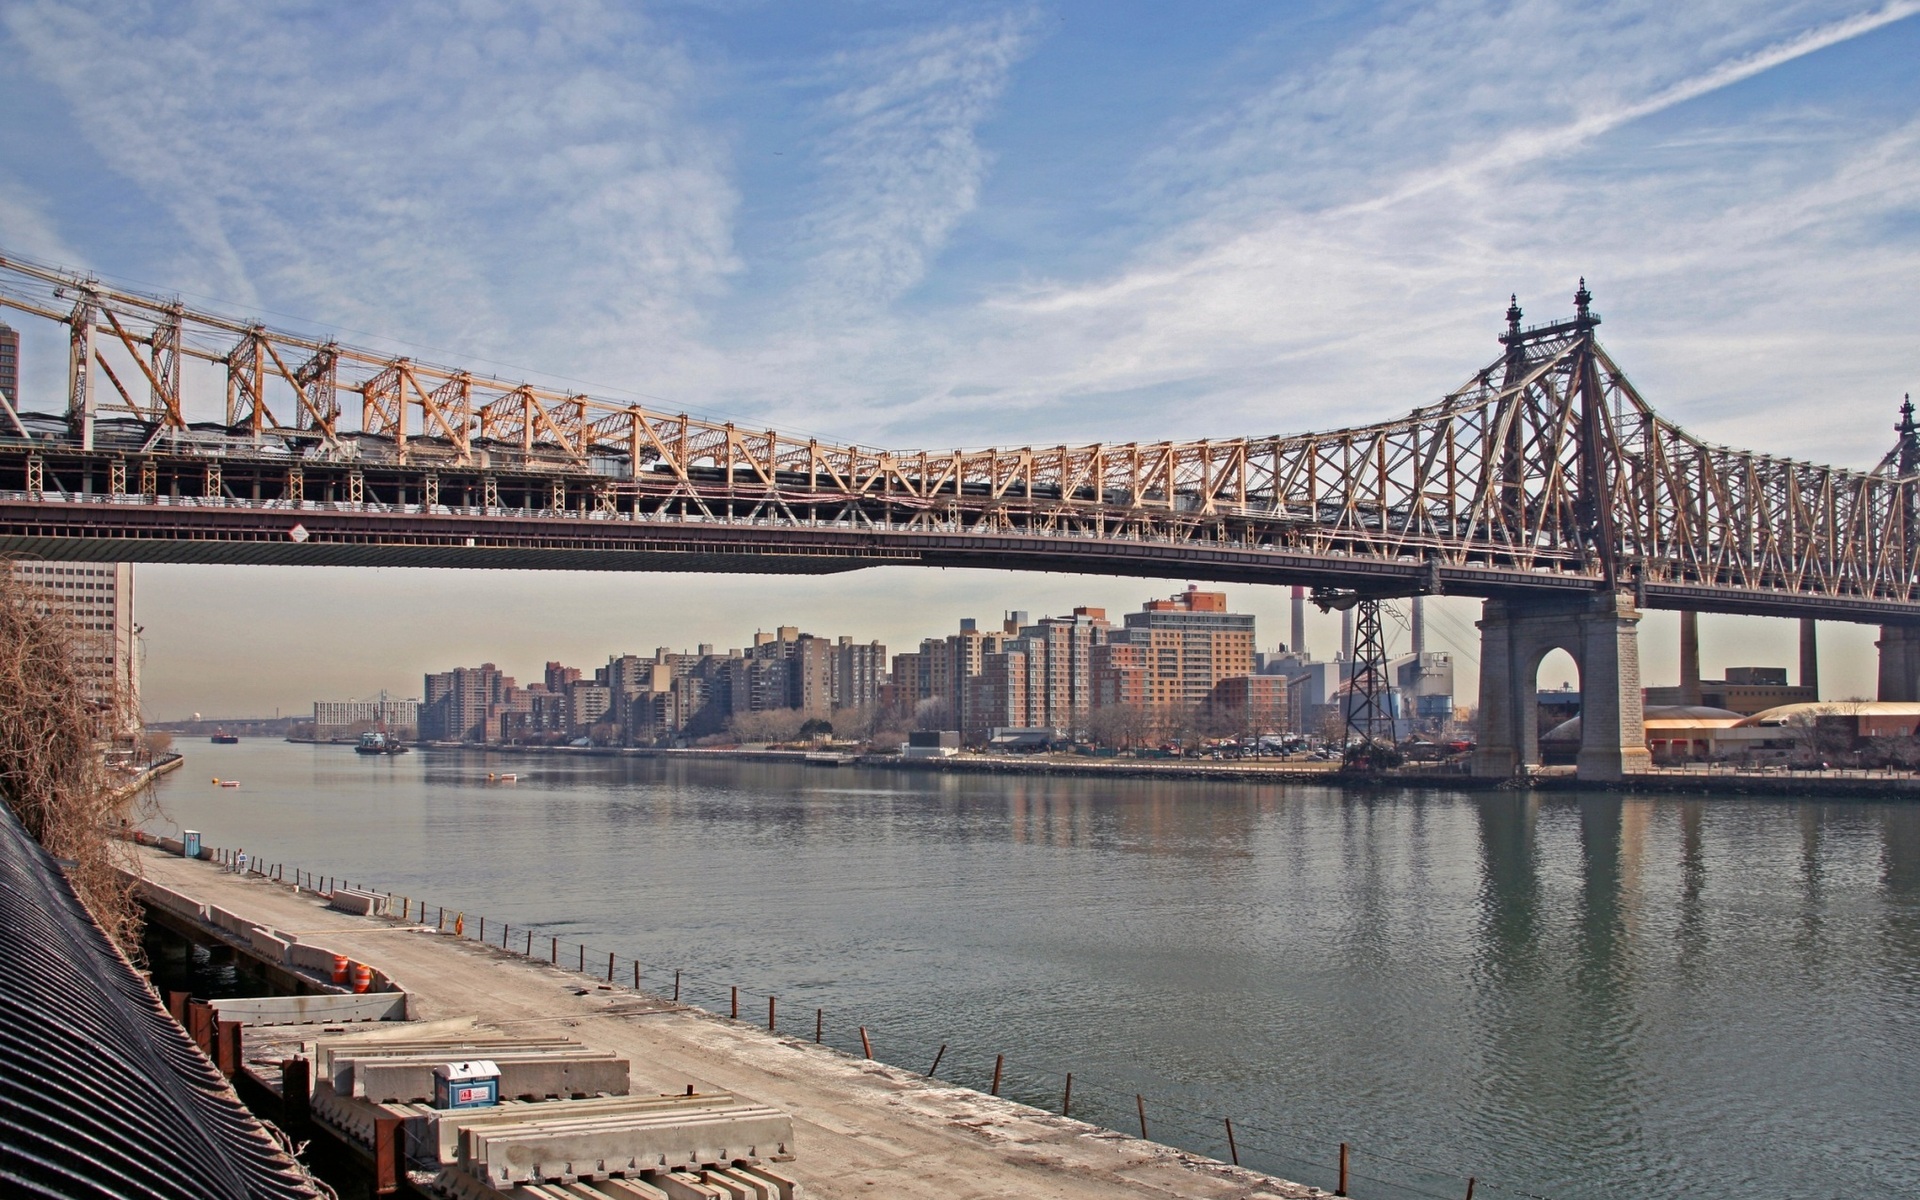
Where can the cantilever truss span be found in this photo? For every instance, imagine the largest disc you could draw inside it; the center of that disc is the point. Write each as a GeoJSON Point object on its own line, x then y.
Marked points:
{"type": "Point", "coordinates": [1546, 469]}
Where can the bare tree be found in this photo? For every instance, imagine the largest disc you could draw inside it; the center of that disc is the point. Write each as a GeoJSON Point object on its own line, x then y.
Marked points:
{"type": "Point", "coordinates": [769, 725]}
{"type": "Point", "coordinates": [934, 713]}
{"type": "Point", "coordinates": [857, 722]}
{"type": "Point", "coordinates": [1122, 726]}
{"type": "Point", "coordinates": [53, 774]}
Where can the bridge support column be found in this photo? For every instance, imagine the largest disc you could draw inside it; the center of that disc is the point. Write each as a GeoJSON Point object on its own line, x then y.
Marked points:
{"type": "Point", "coordinates": [1899, 662]}
{"type": "Point", "coordinates": [1602, 636]}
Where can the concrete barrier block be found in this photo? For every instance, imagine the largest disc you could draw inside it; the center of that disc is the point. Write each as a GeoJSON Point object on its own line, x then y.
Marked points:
{"type": "Point", "coordinates": [538, 1151]}
{"type": "Point", "coordinates": [582, 1073]}
{"type": "Point", "coordinates": [443, 1136]}
{"type": "Point", "coordinates": [231, 922]}
{"type": "Point", "coordinates": [335, 1058]}
{"type": "Point", "coordinates": [172, 901]}
{"type": "Point", "coordinates": [317, 959]}
{"type": "Point", "coordinates": [268, 946]}
{"type": "Point", "coordinates": [357, 902]}
{"type": "Point", "coordinates": [331, 1009]}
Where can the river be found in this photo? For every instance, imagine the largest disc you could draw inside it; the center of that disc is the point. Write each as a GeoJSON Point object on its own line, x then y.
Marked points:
{"type": "Point", "coordinates": [1571, 996]}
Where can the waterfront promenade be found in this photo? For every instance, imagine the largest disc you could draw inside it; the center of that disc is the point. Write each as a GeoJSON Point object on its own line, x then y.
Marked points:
{"type": "Point", "coordinates": [863, 1128]}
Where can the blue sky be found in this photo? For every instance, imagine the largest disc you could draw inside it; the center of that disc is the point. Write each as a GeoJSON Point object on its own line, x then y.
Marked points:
{"type": "Point", "coordinates": [911, 224]}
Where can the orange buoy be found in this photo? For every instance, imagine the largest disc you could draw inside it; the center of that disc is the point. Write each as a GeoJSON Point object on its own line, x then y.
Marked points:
{"type": "Point", "coordinates": [340, 962]}
{"type": "Point", "coordinates": [362, 978]}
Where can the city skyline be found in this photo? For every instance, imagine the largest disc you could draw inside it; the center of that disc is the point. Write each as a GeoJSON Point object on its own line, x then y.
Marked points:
{"type": "Point", "coordinates": [181, 653]}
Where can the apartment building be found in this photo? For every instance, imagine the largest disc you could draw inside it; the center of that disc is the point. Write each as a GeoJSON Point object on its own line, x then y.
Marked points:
{"type": "Point", "coordinates": [1179, 649]}
{"type": "Point", "coordinates": [96, 602]}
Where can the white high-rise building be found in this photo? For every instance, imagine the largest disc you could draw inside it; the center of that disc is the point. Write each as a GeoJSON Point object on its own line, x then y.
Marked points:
{"type": "Point", "coordinates": [96, 599]}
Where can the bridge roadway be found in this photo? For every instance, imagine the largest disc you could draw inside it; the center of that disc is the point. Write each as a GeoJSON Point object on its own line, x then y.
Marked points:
{"type": "Point", "coordinates": [97, 528]}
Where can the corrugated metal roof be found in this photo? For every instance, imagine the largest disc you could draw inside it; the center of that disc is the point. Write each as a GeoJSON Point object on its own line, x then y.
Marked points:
{"type": "Point", "coordinates": [101, 1094]}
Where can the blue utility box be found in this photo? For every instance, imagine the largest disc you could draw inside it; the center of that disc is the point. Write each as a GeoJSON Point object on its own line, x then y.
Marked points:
{"type": "Point", "coordinates": [474, 1084]}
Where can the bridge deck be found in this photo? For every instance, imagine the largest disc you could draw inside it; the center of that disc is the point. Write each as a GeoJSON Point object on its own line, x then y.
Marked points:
{"type": "Point", "coordinates": [318, 533]}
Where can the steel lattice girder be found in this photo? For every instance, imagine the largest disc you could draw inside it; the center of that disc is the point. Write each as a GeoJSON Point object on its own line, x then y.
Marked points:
{"type": "Point", "coordinates": [1547, 461]}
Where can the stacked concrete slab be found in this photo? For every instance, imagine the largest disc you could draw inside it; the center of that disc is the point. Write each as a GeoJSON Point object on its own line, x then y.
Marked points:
{"type": "Point", "coordinates": [557, 1148]}
{"type": "Point", "coordinates": [747, 1181]}
{"type": "Point", "coordinates": [693, 1147]}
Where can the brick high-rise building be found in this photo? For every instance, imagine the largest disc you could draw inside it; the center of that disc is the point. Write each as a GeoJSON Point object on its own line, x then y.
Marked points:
{"type": "Point", "coordinates": [587, 706]}
{"type": "Point", "coordinates": [1001, 695]}
{"type": "Point", "coordinates": [756, 684]}
{"type": "Point", "coordinates": [1120, 675]}
{"type": "Point", "coordinates": [859, 669]}
{"type": "Point", "coordinates": [1046, 678]}
{"type": "Point", "coordinates": [1255, 704]}
{"type": "Point", "coordinates": [810, 675]}
{"type": "Point", "coordinates": [1182, 648]}
{"type": "Point", "coordinates": [464, 704]}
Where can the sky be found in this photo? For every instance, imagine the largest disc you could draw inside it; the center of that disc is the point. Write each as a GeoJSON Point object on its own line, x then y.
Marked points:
{"type": "Point", "coordinates": [917, 224]}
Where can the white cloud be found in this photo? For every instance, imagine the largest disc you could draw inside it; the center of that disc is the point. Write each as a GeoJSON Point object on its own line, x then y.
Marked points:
{"type": "Point", "coordinates": [512, 182]}
{"type": "Point", "coordinates": [1348, 240]}
{"type": "Point", "coordinates": [900, 163]}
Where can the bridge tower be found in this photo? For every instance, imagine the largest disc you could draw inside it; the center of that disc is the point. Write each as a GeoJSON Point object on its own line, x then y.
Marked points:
{"type": "Point", "coordinates": [1600, 631]}
{"type": "Point", "coordinates": [1900, 644]}
{"type": "Point", "coordinates": [82, 403]}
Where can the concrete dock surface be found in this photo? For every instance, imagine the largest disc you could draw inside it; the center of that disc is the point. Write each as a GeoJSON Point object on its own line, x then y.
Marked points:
{"type": "Point", "coordinates": [862, 1128]}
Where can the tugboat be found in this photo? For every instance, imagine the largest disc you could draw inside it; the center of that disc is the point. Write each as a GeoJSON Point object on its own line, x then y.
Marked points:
{"type": "Point", "coordinates": [378, 742]}
{"type": "Point", "coordinates": [225, 739]}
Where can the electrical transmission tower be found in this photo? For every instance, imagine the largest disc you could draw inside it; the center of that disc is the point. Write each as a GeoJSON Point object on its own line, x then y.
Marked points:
{"type": "Point", "coordinates": [1370, 740]}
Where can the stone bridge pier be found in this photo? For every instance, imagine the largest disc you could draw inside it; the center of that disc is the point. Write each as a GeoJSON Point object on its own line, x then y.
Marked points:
{"type": "Point", "coordinates": [1899, 662]}
{"type": "Point", "coordinates": [1601, 633]}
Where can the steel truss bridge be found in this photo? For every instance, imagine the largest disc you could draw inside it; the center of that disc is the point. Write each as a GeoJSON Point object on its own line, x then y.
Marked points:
{"type": "Point", "coordinates": [1545, 473]}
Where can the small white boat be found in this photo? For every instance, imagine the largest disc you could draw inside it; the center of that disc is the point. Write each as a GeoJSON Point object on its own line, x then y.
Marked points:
{"type": "Point", "coordinates": [505, 777]}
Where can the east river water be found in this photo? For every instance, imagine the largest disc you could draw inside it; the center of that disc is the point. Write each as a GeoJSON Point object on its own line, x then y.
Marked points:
{"type": "Point", "coordinates": [1570, 996]}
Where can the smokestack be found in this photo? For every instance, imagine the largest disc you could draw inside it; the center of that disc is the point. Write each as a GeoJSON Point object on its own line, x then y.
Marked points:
{"type": "Point", "coordinates": [1809, 656]}
{"type": "Point", "coordinates": [1299, 644]}
{"type": "Point", "coordinates": [1689, 658]}
{"type": "Point", "coordinates": [1346, 635]}
{"type": "Point", "coordinates": [1419, 628]}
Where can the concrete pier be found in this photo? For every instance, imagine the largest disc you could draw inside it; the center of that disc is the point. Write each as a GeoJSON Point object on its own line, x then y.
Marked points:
{"type": "Point", "coordinates": [862, 1128]}
{"type": "Point", "coordinates": [1601, 635]}
{"type": "Point", "coordinates": [1899, 662]}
